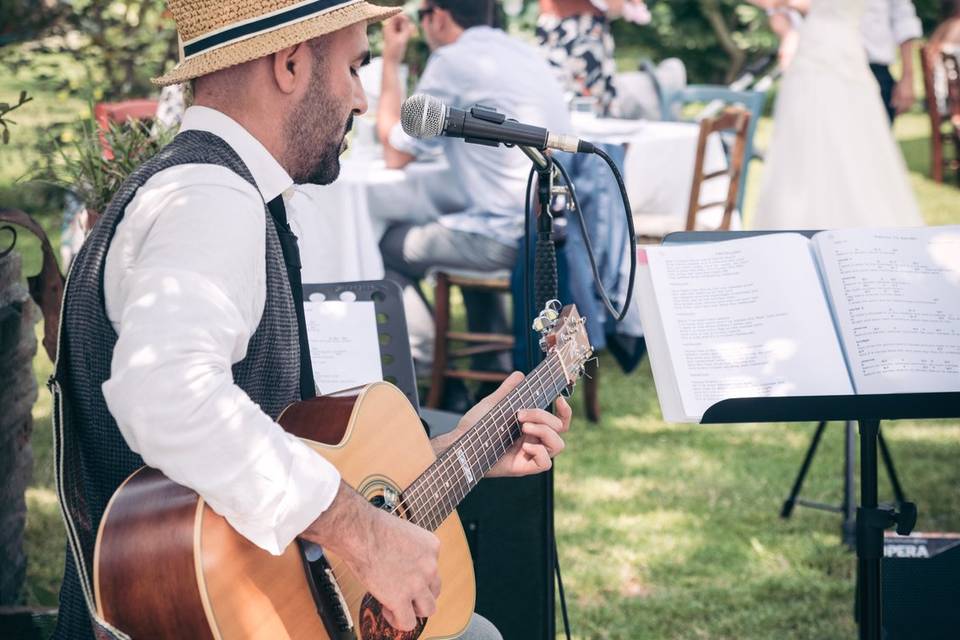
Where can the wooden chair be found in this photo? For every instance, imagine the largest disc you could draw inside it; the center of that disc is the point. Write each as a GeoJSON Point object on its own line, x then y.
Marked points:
{"type": "Point", "coordinates": [653, 228]}
{"type": "Point", "coordinates": [944, 124]}
{"type": "Point", "coordinates": [106, 113]}
{"type": "Point", "coordinates": [714, 97]}
{"type": "Point", "coordinates": [446, 353]}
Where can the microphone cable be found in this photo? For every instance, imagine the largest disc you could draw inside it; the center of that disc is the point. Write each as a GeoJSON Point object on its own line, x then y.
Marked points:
{"type": "Point", "coordinates": [631, 231]}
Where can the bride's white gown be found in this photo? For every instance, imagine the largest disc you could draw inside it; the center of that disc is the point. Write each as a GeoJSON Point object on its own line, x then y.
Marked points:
{"type": "Point", "coordinates": [833, 161]}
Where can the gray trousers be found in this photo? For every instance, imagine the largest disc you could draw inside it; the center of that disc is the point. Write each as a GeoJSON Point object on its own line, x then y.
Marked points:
{"type": "Point", "coordinates": [409, 251]}
{"type": "Point", "coordinates": [481, 629]}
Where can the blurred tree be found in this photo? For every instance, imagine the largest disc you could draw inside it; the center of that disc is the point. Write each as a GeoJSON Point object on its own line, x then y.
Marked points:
{"type": "Point", "coordinates": [121, 43]}
{"type": "Point", "coordinates": [22, 20]}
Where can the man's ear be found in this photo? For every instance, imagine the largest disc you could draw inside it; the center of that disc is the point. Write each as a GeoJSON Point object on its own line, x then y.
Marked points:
{"type": "Point", "coordinates": [291, 66]}
{"type": "Point", "coordinates": [441, 18]}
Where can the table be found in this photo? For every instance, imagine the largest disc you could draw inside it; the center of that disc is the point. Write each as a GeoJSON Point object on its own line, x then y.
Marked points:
{"type": "Point", "coordinates": [658, 169]}
{"type": "Point", "coordinates": [340, 225]}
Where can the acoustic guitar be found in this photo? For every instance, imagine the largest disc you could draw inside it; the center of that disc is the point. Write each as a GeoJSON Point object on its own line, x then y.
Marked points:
{"type": "Point", "coordinates": [167, 566]}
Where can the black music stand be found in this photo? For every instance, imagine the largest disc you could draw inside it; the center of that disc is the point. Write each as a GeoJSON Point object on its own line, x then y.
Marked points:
{"type": "Point", "coordinates": [387, 298]}
{"type": "Point", "coordinates": [868, 410]}
{"type": "Point", "coordinates": [847, 507]}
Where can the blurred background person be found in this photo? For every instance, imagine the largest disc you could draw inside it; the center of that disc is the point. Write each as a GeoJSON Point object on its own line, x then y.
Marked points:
{"type": "Point", "coordinates": [576, 36]}
{"type": "Point", "coordinates": [833, 161]}
{"type": "Point", "coordinates": [947, 34]}
{"type": "Point", "coordinates": [885, 27]}
{"type": "Point", "coordinates": [471, 62]}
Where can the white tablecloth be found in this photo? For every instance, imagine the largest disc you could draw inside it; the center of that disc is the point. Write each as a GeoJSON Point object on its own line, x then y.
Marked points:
{"type": "Point", "coordinates": [658, 168]}
{"type": "Point", "coordinates": [340, 225]}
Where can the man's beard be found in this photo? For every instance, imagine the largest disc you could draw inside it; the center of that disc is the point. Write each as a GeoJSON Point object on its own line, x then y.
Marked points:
{"type": "Point", "coordinates": [315, 138]}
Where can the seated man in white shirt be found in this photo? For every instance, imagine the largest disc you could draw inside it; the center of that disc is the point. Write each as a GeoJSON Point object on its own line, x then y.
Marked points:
{"type": "Point", "coordinates": [181, 338]}
{"type": "Point", "coordinates": [471, 63]}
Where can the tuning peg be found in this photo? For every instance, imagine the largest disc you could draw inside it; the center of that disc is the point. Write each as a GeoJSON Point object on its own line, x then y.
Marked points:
{"type": "Point", "coordinates": [547, 320]}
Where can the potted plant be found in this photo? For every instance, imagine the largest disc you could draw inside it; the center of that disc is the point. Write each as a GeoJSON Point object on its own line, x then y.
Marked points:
{"type": "Point", "coordinates": [93, 164]}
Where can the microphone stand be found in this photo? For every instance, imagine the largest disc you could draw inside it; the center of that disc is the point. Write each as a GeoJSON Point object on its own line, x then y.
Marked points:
{"type": "Point", "coordinates": [545, 290]}
{"type": "Point", "coordinates": [545, 256]}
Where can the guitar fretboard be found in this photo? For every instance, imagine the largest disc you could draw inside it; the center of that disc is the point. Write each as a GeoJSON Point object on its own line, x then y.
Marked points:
{"type": "Point", "coordinates": [437, 492]}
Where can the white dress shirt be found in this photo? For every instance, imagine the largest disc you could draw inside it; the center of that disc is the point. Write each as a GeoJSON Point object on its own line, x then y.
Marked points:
{"type": "Point", "coordinates": [886, 25]}
{"type": "Point", "coordinates": [185, 287]}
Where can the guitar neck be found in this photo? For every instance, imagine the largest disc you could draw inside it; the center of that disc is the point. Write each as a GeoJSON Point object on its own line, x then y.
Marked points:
{"type": "Point", "coordinates": [437, 492]}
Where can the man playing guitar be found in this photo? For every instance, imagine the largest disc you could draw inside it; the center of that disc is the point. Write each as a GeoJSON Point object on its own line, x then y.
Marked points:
{"type": "Point", "coordinates": [181, 339]}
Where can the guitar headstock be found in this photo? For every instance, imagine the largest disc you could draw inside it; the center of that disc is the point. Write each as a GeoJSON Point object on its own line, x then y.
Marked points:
{"type": "Point", "coordinates": [565, 334]}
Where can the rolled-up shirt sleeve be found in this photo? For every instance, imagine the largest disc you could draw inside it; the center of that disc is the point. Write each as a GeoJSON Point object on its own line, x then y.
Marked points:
{"type": "Point", "coordinates": [186, 292]}
{"type": "Point", "coordinates": [904, 21]}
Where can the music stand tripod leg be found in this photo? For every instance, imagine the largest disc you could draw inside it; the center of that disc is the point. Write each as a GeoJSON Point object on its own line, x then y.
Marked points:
{"type": "Point", "coordinates": [848, 530]}
{"type": "Point", "coordinates": [791, 500]}
{"type": "Point", "coordinates": [891, 471]}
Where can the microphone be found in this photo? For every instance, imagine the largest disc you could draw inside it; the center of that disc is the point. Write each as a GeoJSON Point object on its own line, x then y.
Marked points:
{"type": "Point", "coordinates": [424, 116]}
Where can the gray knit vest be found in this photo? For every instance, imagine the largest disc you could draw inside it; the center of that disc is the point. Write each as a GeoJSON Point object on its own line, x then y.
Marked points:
{"type": "Point", "coordinates": [92, 457]}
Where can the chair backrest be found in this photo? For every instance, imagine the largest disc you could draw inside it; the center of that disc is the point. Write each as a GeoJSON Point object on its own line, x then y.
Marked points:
{"type": "Point", "coordinates": [929, 58]}
{"type": "Point", "coordinates": [118, 112]}
{"type": "Point", "coordinates": [716, 97]}
{"type": "Point", "coordinates": [735, 120]}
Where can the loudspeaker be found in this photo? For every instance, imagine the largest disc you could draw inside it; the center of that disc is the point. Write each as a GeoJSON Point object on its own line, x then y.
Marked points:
{"type": "Point", "coordinates": [921, 586]}
{"type": "Point", "coordinates": [509, 526]}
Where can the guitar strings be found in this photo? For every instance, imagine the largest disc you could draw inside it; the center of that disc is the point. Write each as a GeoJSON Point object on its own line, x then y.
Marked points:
{"type": "Point", "coordinates": [486, 444]}
{"type": "Point", "coordinates": [502, 409]}
{"type": "Point", "coordinates": [483, 435]}
{"type": "Point", "coordinates": [474, 437]}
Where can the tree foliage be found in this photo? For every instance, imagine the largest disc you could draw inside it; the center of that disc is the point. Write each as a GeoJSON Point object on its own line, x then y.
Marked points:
{"type": "Point", "coordinates": [121, 43]}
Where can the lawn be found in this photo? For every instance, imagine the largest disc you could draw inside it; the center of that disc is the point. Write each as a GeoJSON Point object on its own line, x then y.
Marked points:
{"type": "Point", "coordinates": [665, 531]}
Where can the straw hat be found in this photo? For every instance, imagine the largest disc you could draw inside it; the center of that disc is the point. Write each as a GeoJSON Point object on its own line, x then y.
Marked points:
{"type": "Point", "coordinates": [216, 34]}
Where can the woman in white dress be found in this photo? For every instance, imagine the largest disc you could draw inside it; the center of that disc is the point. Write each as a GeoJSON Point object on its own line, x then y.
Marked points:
{"type": "Point", "coordinates": [833, 161]}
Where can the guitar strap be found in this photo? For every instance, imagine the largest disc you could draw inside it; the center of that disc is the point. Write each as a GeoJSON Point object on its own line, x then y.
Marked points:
{"type": "Point", "coordinates": [291, 256]}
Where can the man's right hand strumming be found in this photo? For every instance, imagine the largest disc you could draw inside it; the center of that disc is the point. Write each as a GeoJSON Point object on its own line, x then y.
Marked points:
{"type": "Point", "coordinates": [395, 560]}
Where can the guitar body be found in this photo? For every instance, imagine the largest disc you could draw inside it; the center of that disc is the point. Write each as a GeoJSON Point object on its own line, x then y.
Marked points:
{"type": "Point", "coordinates": [167, 566]}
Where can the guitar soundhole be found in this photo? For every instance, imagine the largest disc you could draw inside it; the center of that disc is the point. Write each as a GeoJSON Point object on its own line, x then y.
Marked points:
{"type": "Point", "coordinates": [374, 626]}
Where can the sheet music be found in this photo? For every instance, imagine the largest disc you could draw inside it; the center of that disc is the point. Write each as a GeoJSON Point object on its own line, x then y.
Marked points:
{"type": "Point", "coordinates": [745, 318]}
{"type": "Point", "coordinates": [344, 344]}
{"type": "Point", "coordinates": [896, 296]}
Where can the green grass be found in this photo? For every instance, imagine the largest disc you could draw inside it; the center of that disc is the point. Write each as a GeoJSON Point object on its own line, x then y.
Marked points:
{"type": "Point", "coordinates": [665, 531]}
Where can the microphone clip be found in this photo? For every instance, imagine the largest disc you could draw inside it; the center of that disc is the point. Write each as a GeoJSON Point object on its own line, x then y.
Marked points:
{"type": "Point", "coordinates": [487, 114]}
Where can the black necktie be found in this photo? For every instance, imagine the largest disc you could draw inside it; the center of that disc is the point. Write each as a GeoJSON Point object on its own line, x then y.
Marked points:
{"type": "Point", "coordinates": [291, 256]}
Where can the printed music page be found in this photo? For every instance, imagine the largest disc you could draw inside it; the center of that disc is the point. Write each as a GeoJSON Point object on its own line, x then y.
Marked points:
{"type": "Point", "coordinates": [740, 318]}
{"type": "Point", "coordinates": [344, 344]}
{"type": "Point", "coordinates": [896, 297]}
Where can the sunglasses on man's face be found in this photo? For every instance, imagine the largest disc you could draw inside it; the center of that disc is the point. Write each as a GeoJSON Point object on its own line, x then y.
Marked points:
{"type": "Point", "coordinates": [423, 13]}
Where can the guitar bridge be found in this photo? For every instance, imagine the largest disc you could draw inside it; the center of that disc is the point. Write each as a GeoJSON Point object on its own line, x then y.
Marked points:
{"type": "Point", "coordinates": [331, 605]}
